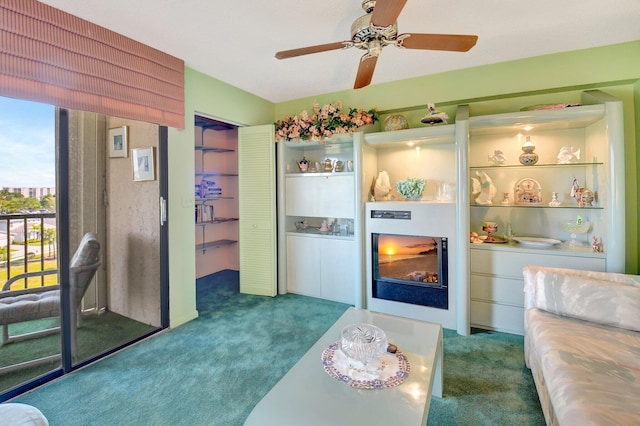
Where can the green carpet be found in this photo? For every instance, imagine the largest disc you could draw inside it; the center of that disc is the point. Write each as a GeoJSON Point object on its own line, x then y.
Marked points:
{"type": "Point", "coordinates": [98, 334]}
{"type": "Point", "coordinates": [213, 370]}
{"type": "Point", "coordinates": [486, 382]}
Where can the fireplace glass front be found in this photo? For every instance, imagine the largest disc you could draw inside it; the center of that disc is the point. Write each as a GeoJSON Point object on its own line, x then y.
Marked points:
{"type": "Point", "coordinates": [410, 269]}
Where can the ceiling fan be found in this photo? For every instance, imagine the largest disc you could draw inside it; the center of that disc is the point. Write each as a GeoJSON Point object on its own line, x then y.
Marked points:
{"type": "Point", "coordinates": [377, 29]}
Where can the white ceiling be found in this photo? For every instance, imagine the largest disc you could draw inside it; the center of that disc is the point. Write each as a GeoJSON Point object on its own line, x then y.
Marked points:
{"type": "Point", "coordinates": [235, 41]}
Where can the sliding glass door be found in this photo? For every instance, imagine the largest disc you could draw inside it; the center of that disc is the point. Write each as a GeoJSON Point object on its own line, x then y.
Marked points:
{"type": "Point", "coordinates": [110, 182]}
{"type": "Point", "coordinates": [114, 191]}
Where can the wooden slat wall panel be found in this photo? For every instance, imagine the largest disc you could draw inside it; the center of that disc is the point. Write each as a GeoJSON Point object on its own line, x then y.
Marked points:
{"type": "Point", "coordinates": [50, 56]}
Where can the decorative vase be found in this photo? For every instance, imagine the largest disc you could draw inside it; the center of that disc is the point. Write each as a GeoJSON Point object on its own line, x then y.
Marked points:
{"type": "Point", "coordinates": [395, 122]}
{"type": "Point", "coordinates": [528, 157]}
{"type": "Point", "coordinates": [586, 196]}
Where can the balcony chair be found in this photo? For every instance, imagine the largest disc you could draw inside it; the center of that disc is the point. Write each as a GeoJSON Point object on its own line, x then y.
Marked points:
{"type": "Point", "coordinates": [44, 302]}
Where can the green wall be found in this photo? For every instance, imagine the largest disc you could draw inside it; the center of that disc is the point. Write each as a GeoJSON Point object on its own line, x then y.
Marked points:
{"type": "Point", "coordinates": [216, 99]}
{"type": "Point", "coordinates": [487, 89]}
{"type": "Point", "coordinates": [508, 86]}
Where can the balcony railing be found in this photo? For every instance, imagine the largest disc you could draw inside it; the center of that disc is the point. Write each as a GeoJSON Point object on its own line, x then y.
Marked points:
{"type": "Point", "coordinates": [27, 250]}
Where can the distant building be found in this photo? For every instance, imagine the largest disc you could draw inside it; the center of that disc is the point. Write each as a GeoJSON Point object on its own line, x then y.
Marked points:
{"type": "Point", "coordinates": [33, 192]}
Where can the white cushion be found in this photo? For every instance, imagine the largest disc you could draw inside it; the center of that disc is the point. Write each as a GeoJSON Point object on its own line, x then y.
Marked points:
{"type": "Point", "coordinates": [15, 414]}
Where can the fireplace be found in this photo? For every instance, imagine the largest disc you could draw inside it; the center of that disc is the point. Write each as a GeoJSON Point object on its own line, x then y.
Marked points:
{"type": "Point", "coordinates": [410, 260]}
{"type": "Point", "coordinates": [410, 269]}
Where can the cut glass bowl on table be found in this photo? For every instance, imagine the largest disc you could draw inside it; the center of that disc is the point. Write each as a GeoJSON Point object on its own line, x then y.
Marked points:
{"type": "Point", "coordinates": [365, 343]}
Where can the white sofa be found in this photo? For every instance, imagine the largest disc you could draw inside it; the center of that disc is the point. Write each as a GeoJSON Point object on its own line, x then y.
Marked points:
{"type": "Point", "coordinates": [582, 344]}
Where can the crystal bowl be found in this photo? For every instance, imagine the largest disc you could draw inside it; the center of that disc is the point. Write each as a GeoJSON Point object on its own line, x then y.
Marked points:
{"type": "Point", "coordinates": [363, 342]}
{"type": "Point", "coordinates": [574, 227]}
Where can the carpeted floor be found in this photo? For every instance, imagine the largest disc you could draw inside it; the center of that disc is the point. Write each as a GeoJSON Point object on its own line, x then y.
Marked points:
{"type": "Point", "coordinates": [213, 370]}
{"type": "Point", "coordinates": [98, 334]}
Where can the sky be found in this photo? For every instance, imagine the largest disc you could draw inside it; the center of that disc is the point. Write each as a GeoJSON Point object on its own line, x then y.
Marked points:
{"type": "Point", "coordinates": [27, 144]}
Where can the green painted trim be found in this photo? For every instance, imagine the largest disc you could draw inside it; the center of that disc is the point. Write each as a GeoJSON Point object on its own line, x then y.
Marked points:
{"type": "Point", "coordinates": [590, 68]}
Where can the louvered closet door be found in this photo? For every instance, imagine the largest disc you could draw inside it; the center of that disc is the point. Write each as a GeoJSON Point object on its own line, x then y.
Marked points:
{"type": "Point", "coordinates": [257, 193]}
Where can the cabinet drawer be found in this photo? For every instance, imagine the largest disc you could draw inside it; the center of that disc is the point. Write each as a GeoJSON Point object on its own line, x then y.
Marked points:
{"type": "Point", "coordinates": [497, 289]}
{"type": "Point", "coordinates": [505, 318]}
{"type": "Point", "coordinates": [510, 264]}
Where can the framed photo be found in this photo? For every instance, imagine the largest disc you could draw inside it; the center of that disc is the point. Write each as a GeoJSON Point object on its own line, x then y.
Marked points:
{"type": "Point", "coordinates": [118, 142]}
{"type": "Point", "coordinates": [143, 164]}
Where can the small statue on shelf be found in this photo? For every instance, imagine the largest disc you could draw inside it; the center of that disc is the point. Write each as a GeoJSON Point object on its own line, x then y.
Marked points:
{"type": "Point", "coordinates": [497, 158]}
{"type": "Point", "coordinates": [568, 154]}
{"type": "Point", "coordinates": [483, 189]}
{"type": "Point", "coordinates": [596, 245]}
{"type": "Point", "coordinates": [576, 192]}
{"type": "Point", "coordinates": [382, 187]}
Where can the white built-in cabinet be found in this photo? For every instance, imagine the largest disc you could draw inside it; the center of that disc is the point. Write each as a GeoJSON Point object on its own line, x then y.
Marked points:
{"type": "Point", "coordinates": [489, 287]}
{"type": "Point", "coordinates": [595, 128]}
{"type": "Point", "coordinates": [320, 263]}
{"type": "Point", "coordinates": [321, 267]}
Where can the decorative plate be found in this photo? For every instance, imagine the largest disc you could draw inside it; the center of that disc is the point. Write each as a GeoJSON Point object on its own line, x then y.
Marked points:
{"type": "Point", "coordinates": [548, 107]}
{"type": "Point", "coordinates": [537, 242]}
{"type": "Point", "coordinates": [527, 191]}
{"type": "Point", "coordinates": [388, 372]}
{"type": "Point", "coordinates": [494, 240]}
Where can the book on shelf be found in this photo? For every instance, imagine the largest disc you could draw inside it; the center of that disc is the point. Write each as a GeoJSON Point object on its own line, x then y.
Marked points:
{"type": "Point", "coordinates": [204, 213]}
{"type": "Point", "coordinates": [207, 189]}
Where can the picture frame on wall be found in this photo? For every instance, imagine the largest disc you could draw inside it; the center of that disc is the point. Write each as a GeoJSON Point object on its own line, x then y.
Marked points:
{"type": "Point", "coordinates": [143, 164]}
{"type": "Point", "coordinates": [118, 142]}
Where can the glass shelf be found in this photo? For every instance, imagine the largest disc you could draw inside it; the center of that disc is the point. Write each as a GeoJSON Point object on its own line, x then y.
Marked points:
{"type": "Point", "coordinates": [214, 244]}
{"type": "Point", "coordinates": [322, 174]}
{"type": "Point", "coordinates": [204, 200]}
{"type": "Point", "coordinates": [200, 174]}
{"type": "Point", "coordinates": [206, 149]}
{"type": "Point", "coordinates": [536, 206]}
{"type": "Point", "coordinates": [217, 220]}
{"type": "Point", "coordinates": [521, 166]}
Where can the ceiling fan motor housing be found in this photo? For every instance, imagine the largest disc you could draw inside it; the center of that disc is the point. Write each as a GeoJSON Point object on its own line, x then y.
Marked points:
{"type": "Point", "coordinates": [362, 31]}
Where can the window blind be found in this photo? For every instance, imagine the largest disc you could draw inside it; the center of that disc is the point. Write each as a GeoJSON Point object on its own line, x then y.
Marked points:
{"type": "Point", "coordinates": [50, 56]}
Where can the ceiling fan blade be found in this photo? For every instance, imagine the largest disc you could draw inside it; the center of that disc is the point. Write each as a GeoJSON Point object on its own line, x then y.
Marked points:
{"type": "Point", "coordinates": [313, 49]}
{"type": "Point", "coordinates": [386, 12]}
{"type": "Point", "coordinates": [365, 71]}
{"type": "Point", "coordinates": [452, 42]}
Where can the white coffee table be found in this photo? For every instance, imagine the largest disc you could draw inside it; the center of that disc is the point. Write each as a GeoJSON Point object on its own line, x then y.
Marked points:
{"type": "Point", "coordinates": [308, 396]}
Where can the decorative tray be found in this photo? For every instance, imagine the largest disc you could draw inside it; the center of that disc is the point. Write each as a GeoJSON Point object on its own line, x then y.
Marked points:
{"type": "Point", "coordinates": [537, 242]}
{"type": "Point", "coordinates": [388, 372]}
